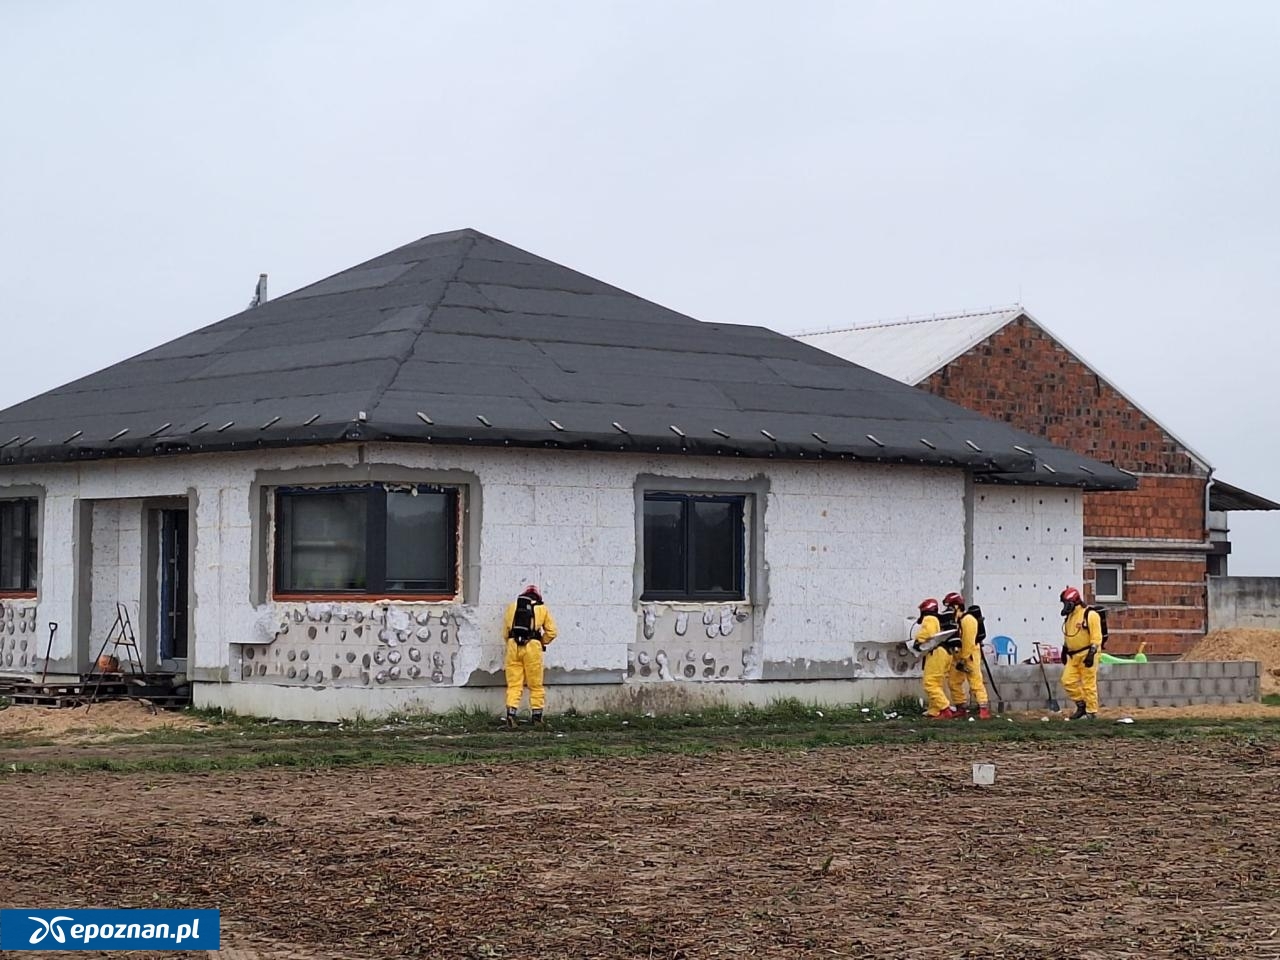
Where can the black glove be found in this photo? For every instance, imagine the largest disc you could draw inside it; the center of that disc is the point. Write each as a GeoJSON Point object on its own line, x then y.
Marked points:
{"type": "Point", "coordinates": [1091, 656]}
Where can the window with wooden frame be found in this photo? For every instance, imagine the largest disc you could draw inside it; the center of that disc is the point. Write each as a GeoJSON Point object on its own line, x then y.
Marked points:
{"type": "Point", "coordinates": [19, 547]}
{"type": "Point", "coordinates": [694, 547]}
{"type": "Point", "coordinates": [384, 540]}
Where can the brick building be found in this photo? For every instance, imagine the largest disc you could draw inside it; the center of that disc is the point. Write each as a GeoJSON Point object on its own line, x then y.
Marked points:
{"type": "Point", "coordinates": [1148, 551]}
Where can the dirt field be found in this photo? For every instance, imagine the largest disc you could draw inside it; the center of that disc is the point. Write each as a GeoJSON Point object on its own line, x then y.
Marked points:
{"type": "Point", "coordinates": [1087, 849]}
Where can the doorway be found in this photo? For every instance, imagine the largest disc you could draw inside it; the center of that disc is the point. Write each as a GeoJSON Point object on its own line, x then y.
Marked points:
{"type": "Point", "coordinates": [173, 579]}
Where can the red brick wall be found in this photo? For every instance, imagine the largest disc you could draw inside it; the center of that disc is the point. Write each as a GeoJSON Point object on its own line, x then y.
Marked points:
{"type": "Point", "coordinates": [1171, 508]}
{"type": "Point", "coordinates": [1022, 376]}
{"type": "Point", "coordinates": [1165, 606]}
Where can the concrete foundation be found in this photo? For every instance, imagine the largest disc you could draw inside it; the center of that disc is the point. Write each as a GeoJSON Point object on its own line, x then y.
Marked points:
{"type": "Point", "coordinates": [1171, 684]}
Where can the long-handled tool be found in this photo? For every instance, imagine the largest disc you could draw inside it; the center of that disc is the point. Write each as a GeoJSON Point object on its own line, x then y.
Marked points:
{"type": "Point", "coordinates": [53, 628]}
{"type": "Point", "coordinates": [1051, 703]}
{"type": "Point", "coordinates": [1001, 706]}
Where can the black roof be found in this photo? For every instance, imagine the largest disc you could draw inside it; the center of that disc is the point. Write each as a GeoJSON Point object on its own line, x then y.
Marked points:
{"type": "Point", "coordinates": [1227, 497]}
{"type": "Point", "coordinates": [460, 338]}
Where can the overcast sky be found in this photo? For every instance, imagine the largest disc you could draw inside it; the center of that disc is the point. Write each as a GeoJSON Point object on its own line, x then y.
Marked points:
{"type": "Point", "coordinates": [1114, 166]}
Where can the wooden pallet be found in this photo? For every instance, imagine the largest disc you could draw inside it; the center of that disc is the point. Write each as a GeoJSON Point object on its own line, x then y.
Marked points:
{"type": "Point", "coordinates": [156, 689]}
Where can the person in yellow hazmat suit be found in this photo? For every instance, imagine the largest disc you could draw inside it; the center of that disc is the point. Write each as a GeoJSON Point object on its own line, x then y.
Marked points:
{"type": "Point", "coordinates": [966, 663]}
{"type": "Point", "coordinates": [528, 627]}
{"type": "Point", "coordinates": [937, 661]}
{"type": "Point", "coordinates": [1081, 649]}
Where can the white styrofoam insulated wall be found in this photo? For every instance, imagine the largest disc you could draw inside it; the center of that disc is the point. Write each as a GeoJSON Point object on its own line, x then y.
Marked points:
{"type": "Point", "coordinates": [850, 548]}
{"type": "Point", "coordinates": [1028, 544]}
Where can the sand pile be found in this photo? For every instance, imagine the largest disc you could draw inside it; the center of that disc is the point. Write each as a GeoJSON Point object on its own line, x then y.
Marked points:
{"type": "Point", "coordinates": [1260, 645]}
{"type": "Point", "coordinates": [113, 717]}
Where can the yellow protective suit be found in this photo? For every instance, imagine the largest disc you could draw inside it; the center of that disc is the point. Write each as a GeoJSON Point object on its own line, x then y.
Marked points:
{"type": "Point", "coordinates": [936, 664]}
{"type": "Point", "coordinates": [966, 663]}
{"type": "Point", "coordinates": [523, 664]}
{"type": "Point", "coordinates": [1082, 630]}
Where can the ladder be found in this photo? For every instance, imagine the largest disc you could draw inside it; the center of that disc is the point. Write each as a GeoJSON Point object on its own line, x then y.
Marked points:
{"type": "Point", "coordinates": [119, 637]}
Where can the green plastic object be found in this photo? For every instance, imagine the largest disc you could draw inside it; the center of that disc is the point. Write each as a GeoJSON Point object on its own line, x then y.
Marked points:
{"type": "Point", "coordinates": [1136, 658]}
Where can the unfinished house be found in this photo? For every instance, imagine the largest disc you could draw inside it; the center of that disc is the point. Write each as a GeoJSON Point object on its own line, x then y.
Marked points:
{"type": "Point", "coordinates": [1148, 550]}
{"type": "Point", "coordinates": [321, 506]}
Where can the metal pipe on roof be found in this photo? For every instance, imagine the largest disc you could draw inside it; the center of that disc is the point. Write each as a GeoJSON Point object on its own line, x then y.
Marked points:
{"type": "Point", "coordinates": [928, 444]}
{"type": "Point", "coordinates": [269, 423]}
{"type": "Point", "coordinates": [619, 427]}
{"type": "Point", "coordinates": [310, 420]}
{"type": "Point", "coordinates": [118, 435]}
{"type": "Point", "coordinates": [198, 427]}
{"type": "Point", "coordinates": [872, 438]}
{"type": "Point", "coordinates": [160, 429]}
{"type": "Point", "coordinates": [229, 423]}
{"type": "Point", "coordinates": [555, 425]}
{"type": "Point", "coordinates": [973, 446]}
{"type": "Point", "coordinates": [719, 433]}
{"type": "Point", "coordinates": [73, 436]}
{"type": "Point", "coordinates": [425, 419]}
{"type": "Point", "coordinates": [1029, 453]}
{"type": "Point", "coordinates": [482, 419]}
{"type": "Point", "coordinates": [676, 430]}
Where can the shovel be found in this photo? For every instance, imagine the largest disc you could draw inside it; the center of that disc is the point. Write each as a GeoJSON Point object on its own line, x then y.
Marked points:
{"type": "Point", "coordinates": [1001, 706]}
{"type": "Point", "coordinates": [1050, 703]}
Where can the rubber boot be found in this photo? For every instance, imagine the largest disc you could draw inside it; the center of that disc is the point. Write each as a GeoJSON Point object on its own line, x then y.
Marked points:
{"type": "Point", "coordinates": [535, 717]}
{"type": "Point", "coordinates": [511, 718]}
{"type": "Point", "coordinates": [984, 712]}
{"type": "Point", "coordinates": [947, 714]}
{"type": "Point", "coordinates": [1080, 711]}
{"type": "Point", "coordinates": [960, 710]}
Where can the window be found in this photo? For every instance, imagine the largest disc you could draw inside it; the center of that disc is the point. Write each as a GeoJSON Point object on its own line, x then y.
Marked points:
{"type": "Point", "coordinates": [384, 540]}
{"type": "Point", "coordinates": [19, 545]}
{"type": "Point", "coordinates": [1108, 582]}
{"type": "Point", "coordinates": [693, 547]}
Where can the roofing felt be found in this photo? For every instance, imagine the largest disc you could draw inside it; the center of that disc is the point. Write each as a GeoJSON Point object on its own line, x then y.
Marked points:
{"type": "Point", "coordinates": [460, 338]}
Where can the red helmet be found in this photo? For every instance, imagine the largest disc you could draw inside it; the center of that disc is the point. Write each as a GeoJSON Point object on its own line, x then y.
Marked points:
{"type": "Point", "coordinates": [1070, 595]}
{"type": "Point", "coordinates": [532, 591]}
{"type": "Point", "coordinates": [953, 599]}
{"type": "Point", "coordinates": [929, 606]}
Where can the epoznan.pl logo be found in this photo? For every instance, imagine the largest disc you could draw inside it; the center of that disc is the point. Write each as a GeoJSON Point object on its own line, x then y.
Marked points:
{"type": "Point", "coordinates": [110, 930]}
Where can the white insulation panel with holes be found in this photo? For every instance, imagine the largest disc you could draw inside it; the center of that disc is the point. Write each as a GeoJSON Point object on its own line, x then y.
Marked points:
{"type": "Point", "coordinates": [1027, 546]}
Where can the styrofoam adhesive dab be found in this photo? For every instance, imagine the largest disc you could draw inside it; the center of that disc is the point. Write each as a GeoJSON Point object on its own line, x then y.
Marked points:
{"type": "Point", "coordinates": [984, 774]}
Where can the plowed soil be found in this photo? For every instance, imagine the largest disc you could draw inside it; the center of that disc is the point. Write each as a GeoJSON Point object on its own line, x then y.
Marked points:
{"type": "Point", "coordinates": [1088, 849]}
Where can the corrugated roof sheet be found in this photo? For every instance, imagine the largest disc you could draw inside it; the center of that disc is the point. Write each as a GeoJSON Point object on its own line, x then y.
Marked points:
{"type": "Point", "coordinates": [1226, 497]}
{"type": "Point", "coordinates": [910, 350]}
{"type": "Point", "coordinates": [460, 338]}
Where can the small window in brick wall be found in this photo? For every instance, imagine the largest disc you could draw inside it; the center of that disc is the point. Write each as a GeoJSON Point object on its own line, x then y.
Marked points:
{"type": "Point", "coordinates": [693, 547]}
{"type": "Point", "coordinates": [1108, 582]}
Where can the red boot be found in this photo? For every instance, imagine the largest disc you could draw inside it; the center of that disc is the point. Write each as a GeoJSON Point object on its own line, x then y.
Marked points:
{"type": "Point", "coordinates": [984, 712]}
{"type": "Point", "coordinates": [948, 714]}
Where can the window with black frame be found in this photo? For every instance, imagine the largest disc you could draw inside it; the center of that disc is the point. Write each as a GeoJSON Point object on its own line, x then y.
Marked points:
{"type": "Point", "coordinates": [381, 540]}
{"type": "Point", "coordinates": [693, 547]}
{"type": "Point", "coordinates": [19, 545]}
